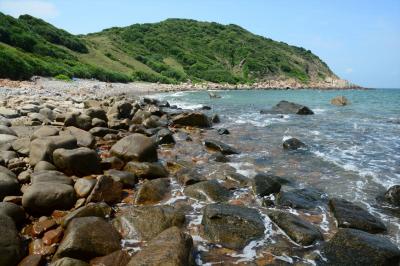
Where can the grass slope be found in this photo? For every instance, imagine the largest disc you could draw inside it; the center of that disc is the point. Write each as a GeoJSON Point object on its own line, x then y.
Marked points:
{"type": "Point", "coordinates": [171, 51]}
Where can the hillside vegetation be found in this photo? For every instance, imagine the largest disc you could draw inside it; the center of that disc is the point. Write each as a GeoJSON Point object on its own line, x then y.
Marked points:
{"type": "Point", "coordinates": [172, 51]}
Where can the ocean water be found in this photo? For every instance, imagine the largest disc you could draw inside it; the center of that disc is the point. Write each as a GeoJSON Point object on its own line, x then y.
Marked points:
{"type": "Point", "coordinates": [353, 151]}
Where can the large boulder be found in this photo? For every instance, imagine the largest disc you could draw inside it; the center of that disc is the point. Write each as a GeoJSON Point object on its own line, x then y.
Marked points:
{"type": "Point", "coordinates": [220, 146]}
{"type": "Point", "coordinates": [42, 149]}
{"type": "Point", "coordinates": [14, 211]}
{"type": "Point", "coordinates": [153, 191]}
{"type": "Point", "coordinates": [88, 237]}
{"type": "Point", "coordinates": [350, 247]}
{"type": "Point", "coordinates": [146, 170]}
{"type": "Point", "coordinates": [285, 107]}
{"type": "Point", "coordinates": [302, 198]}
{"type": "Point", "coordinates": [194, 119]}
{"type": "Point", "coordinates": [264, 185]}
{"type": "Point", "coordinates": [136, 147]}
{"type": "Point", "coordinates": [392, 195]}
{"type": "Point", "coordinates": [133, 222]}
{"type": "Point", "coordinates": [10, 243]}
{"type": "Point", "coordinates": [210, 190]}
{"type": "Point", "coordinates": [79, 162]}
{"type": "Point", "coordinates": [349, 215]}
{"type": "Point", "coordinates": [45, 197]}
{"type": "Point", "coordinates": [50, 176]}
{"type": "Point", "coordinates": [172, 247]}
{"type": "Point", "coordinates": [232, 226]}
{"type": "Point", "coordinates": [299, 230]}
{"type": "Point", "coordinates": [340, 101]}
{"type": "Point", "coordinates": [84, 138]}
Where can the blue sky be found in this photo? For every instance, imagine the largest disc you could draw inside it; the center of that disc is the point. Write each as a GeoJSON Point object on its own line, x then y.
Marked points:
{"type": "Point", "coordinates": [359, 40]}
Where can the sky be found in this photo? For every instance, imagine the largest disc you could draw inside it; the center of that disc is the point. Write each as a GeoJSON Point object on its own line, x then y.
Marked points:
{"type": "Point", "coordinates": [358, 39]}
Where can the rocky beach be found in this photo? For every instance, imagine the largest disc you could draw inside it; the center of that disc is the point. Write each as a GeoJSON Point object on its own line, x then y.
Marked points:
{"type": "Point", "coordinates": [96, 173]}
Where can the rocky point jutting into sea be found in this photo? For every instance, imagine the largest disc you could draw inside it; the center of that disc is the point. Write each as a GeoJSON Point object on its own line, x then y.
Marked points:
{"type": "Point", "coordinates": [109, 174]}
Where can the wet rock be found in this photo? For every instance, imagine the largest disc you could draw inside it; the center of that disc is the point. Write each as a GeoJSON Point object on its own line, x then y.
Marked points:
{"type": "Point", "coordinates": [126, 178]}
{"type": "Point", "coordinates": [84, 138]}
{"type": "Point", "coordinates": [79, 162]}
{"type": "Point", "coordinates": [83, 186]}
{"type": "Point", "coordinates": [393, 195]}
{"type": "Point", "coordinates": [285, 107]}
{"type": "Point", "coordinates": [10, 242]}
{"type": "Point", "coordinates": [87, 238]}
{"type": "Point", "coordinates": [42, 149]}
{"type": "Point", "coordinates": [153, 191]}
{"type": "Point", "coordinates": [43, 225]}
{"type": "Point", "coordinates": [49, 176]}
{"type": "Point", "coordinates": [106, 190]}
{"type": "Point", "coordinates": [210, 190]}
{"type": "Point", "coordinates": [146, 170]}
{"type": "Point", "coordinates": [264, 185]}
{"type": "Point", "coordinates": [53, 236]}
{"type": "Point", "coordinates": [7, 131]}
{"type": "Point", "coordinates": [136, 147]}
{"type": "Point", "coordinates": [215, 119]}
{"type": "Point", "coordinates": [37, 247]}
{"type": "Point", "coordinates": [349, 215]}
{"type": "Point", "coordinates": [133, 222]}
{"type": "Point", "coordinates": [44, 197]}
{"type": "Point", "coordinates": [293, 144]}
{"type": "Point", "coordinates": [69, 262]}
{"type": "Point", "coordinates": [165, 136]}
{"type": "Point", "coordinates": [9, 185]}
{"type": "Point", "coordinates": [193, 119]}
{"type": "Point", "coordinates": [220, 146]}
{"type": "Point", "coordinates": [100, 209]}
{"type": "Point", "coordinates": [14, 211]}
{"type": "Point", "coordinates": [299, 230]}
{"type": "Point", "coordinates": [117, 258]}
{"type": "Point", "coordinates": [102, 131]}
{"type": "Point", "coordinates": [171, 247]}
{"type": "Point", "coordinates": [33, 260]}
{"type": "Point", "coordinates": [219, 157]}
{"type": "Point", "coordinates": [340, 101]}
{"type": "Point", "coordinates": [78, 120]}
{"type": "Point", "coordinates": [350, 247]}
{"type": "Point", "coordinates": [189, 176]}
{"type": "Point", "coordinates": [21, 146]}
{"type": "Point", "coordinates": [44, 166]}
{"type": "Point", "coordinates": [232, 226]}
{"type": "Point", "coordinates": [303, 198]}
{"type": "Point", "coordinates": [223, 131]}
{"type": "Point", "coordinates": [46, 131]}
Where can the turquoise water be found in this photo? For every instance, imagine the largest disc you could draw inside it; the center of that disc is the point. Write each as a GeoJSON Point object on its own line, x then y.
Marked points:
{"type": "Point", "coordinates": [353, 151]}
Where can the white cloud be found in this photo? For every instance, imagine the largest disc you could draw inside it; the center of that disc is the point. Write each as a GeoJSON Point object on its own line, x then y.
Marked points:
{"type": "Point", "coordinates": [349, 70]}
{"type": "Point", "coordinates": [38, 8]}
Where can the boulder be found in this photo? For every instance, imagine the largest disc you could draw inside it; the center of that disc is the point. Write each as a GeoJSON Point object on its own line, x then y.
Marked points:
{"type": "Point", "coordinates": [7, 156]}
{"type": "Point", "coordinates": [303, 198]}
{"type": "Point", "coordinates": [126, 178]}
{"type": "Point", "coordinates": [107, 190]}
{"type": "Point", "coordinates": [21, 146]}
{"type": "Point", "coordinates": [9, 185]}
{"type": "Point", "coordinates": [83, 186]}
{"type": "Point", "coordinates": [69, 262]}
{"type": "Point", "coordinates": [44, 198]}
{"type": "Point", "coordinates": [392, 195]}
{"type": "Point", "coordinates": [164, 136]}
{"type": "Point", "coordinates": [350, 247]}
{"type": "Point", "coordinates": [87, 238]}
{"type": "Point", "coordinates": [299, 230]}
{"type": "Point", "coordinates": [218, 157]}
{"type": "Point", "coordinates": [8, 113]}
{"type": "Point", "coordinates": [210, 190]}
{"type": "Point", "coordinates": [264, 185]}
{"type": "Point", "coordinates": [44, 166]}
{"type": "Point", "coordinates": [189, 176]}
{"type": "Point", "coordinates": [50, 176]}
{"type": "Point", "coordinates": [349, 215]}
{"type": "Point", "coordinates": [84, 138]}
{"type": "Point", "coordinates": [97, 112]}
{"type": "Point", "coordinates": [46, 131]}
{"type": "Point", "coordinates": [171, 247]}
{"type": "Point", "coordinates": [102, 131]}
{"type": "Point", "coordinates": [232, 226]}
{"type": "Point", "coordinates": [117, 258]}
{"type": "Point", "coordinates": [146, 170]}
{"type": "Point", "coordinates": [14, 211]}
{"type": "Point", "coordinates": [340, 101]}
{"type": "Point", "coordinates": [79, 162]}
{"type": "Point", "coordinates": [78, 120]}
{"type": "Point", "coordinates": [100, 209]}
{"type": "Point", "coordinates": [136, 147]}
{"type": "Point", "coordinates": [220, 146]}
{"type": "Point", "coordinates": [223, 131]}
{"type": "Point", "coordinates": [33, 260]}
{"type": "Point", "coordinates": [153, 191]}
{"type": "Point", "coordinates": [193, 119]}
{"type": "Point", "coordinates": [293, 144]}
{"type": "Point", "coordinates": [11, 251]}
{"type": "Point", "coordinates": [42, 149]}
{"type": "Point", "coordinates": [7, 131]}
{"type": "Point", "coordinates": [133, 222]}
{"type": "Point", "coordinates": [6, 138]}
{"type": "Point", "coordinates": [285, 107]}
{"type": "Point", "coordinates": [121, 110]}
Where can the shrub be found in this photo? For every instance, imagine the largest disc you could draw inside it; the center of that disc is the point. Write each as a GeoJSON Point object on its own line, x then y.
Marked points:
{"type": "Point", "coordinates": [62, 77]}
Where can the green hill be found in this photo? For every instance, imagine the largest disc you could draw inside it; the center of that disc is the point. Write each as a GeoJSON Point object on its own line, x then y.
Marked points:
{"type": "Point", "coordinates": [171, 51]}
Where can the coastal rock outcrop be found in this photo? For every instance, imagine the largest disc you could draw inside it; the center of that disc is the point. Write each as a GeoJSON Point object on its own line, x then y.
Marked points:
{"type": "Point", "coordinates": [285, 107]}
{"type": "Point", "coordinates": [340, 101]}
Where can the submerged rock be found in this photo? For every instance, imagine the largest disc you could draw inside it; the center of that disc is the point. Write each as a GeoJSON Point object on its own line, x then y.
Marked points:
{"type": "Point", "coordinates": [293, 144]}
{"type": "Point", "coordinates": [232, 226]}
{"type": "Point", "coordinates": [264, 185]}
{"type": "Point", "coordinates": [171, 247]}
{"type": "Point", "coordinates": [285, 107]}
{"type": "Point", "coordinates": [153, 191]}
{"type": "Point", "coordinates": [220, 146]}
{"type": "Point", "coordinates": [393, 195]}
{"type": "Point", "coordinates": [349, 215]}
{"type": "Point", "coordinates": [299, 230]}
{"type": "Point", "coordinates": [350, 247]}
{"type": "Point", "coordinates": [146, 170]}
{"type": "Point", "coordinates": [303, 198]}
{"type": "Point", "coordinates": [193, 119]}
{"type": "Point", "coordinates": [210, 190]}
{"type": "Point", "coordinates": [340, 101]}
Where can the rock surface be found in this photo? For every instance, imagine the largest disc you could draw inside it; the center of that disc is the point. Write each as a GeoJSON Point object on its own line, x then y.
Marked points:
{"type": "Point", "coordinates": [285, 107]}
{"type": "Point", "coordinates": [79, 162]}
{"type": "Point", "coordinates": [136, 147]}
